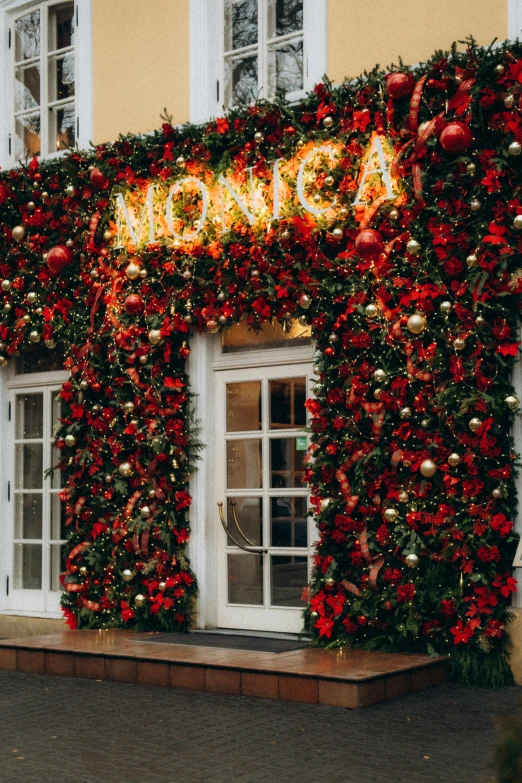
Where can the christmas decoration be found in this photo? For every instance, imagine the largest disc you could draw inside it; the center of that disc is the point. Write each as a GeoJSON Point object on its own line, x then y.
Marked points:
{"type": "Point", "coordinates": [411, 468]}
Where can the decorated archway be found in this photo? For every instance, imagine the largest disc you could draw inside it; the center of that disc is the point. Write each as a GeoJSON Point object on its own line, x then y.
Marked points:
{"type": "Point", "coordinates": [387, 214]}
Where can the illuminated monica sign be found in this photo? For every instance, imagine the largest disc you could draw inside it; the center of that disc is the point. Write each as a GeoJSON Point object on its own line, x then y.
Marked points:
{"type": "Point", "coordinates": [257, 195]}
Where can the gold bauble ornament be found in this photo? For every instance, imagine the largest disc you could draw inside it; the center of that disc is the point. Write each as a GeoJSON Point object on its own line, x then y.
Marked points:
{"type": "Point", "coordinates": [499, 69]}
{"type": "Point", "coordinates": [3, 361]}
{"type": "Point", "coordinates": [412, 561]}
{"type": "Point", "coordinates": [379, 375]}
{"type": "Point", "coordinates": [162, 586]}
{"type": "Point", "coordinates": [139, 600]}
{"type": "Point", "coordinates": [305, 301]}
{"type": "Point", "coordinates": [107, 236]}
{"type": "Point", "coordinates": [329, 582]}
{"type": "Point", "coordinates": [30, 205]}
{"type": "Point", "coordinates": [34, 336]}
{"type": "Point", "coordinates": [459, 344]}
{"type": "Point", "coordinates": [333, 338]}
{"type": "Point", "coordinates": [18, 233]}
{"type": "Point", "coordinates": [480, 321]}
{"type": "Point", "coordinates": [132, 271]}
{"type": "Point", "coordinates": [26, 319]}
{"type": "Point", "coordinates": [318, 389]}
{"type": "Point", "coordinates": [258, 137]}
{"type": "Point", "coordinates": [328, 121]}
{"type": "Point", "coordinates": [405, 413]}
{"type": "Point", "coordinates": [471, 260]}
{"type": "Point", "coordinates": [377, 394]}
{"type": "Point", "coordinates": [497, 493]}
{"type": "Point", "coordinates": [125, 469]}
{"type": "Point", "coordinates": [50, 344]}
{"type": "Point", "coordinates": [417, 323]}
{"type": "Point", "coordinates": [223, 320]}
{"type": "Point", "coordinates": [32, 296]}
{"type": "Point", "coordinates": [371, 311]}
{"type": "Point", "coordinates": [154, 336]}
{"type": "Point", "coordinates": [329, 181]}
{"type": "Point", "coordinates": [325, 502]}
{"type": "Point", "coordinates": [128, 407]}
{"type": "Point", "coordinates": [6, 285]}
{"type": "Point", "coordinates": [425, 423]}
{"type": "Point", "coordinates": [475, 205]}
{"type": "Point", "coordinates": [428, 468]}
{"type": "Point", "coordinates": [145, 512]}
{"type": "Point", "coordinates": [471, 168]}
{"type": "Point", "coordinates": [509, 101]}
{"type": "Point", "coordinates": [285, 234]}
{"type": "Point", "coordinates": [517, 222]}
{"type": "Point", "coordinates": [343, 212]}
{"type": "Point", "coordinates": [70, 440]}
{"type": "Point", "coordinates": [127, 575]}
{"type": "Point", "coordinates": [391, 514]}
{"type": "Point", "coordinates": [445, 307]}
{"type": "Point", "coordinates": [453, 459]}
{"type": "Point", "coordinates": [180, 160]}
{"type": "Point", "coordinates": [512, 402]}
{"type": "Point", "coordinates": [212, 326]}
{"type": "Point", "coordinates": [337, 233]}
{"type": "Point", "coordinates": [69, 191]}
{"type": "Point", "coordinates": [394, 214]}
{"type": "Point", "coordinates": [403, 497]}
{"type": "Point", "coordinates": [83, 571]}
{"type": "Point", "coordinates": [475, 424]}
{"type": "Point", "coordinates": [413, 247]}
{"type": "Point", "coordinates": [515, 148]}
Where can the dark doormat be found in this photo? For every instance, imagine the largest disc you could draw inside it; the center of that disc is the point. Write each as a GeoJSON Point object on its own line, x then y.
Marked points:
{"type": "Point", "coordinates": [224, 641]}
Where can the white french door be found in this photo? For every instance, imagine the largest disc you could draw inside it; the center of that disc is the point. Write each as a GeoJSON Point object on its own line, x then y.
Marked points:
{"type": "Point", "coordinates": [264, 561]}
{"type": "Point", "coordinates": [36, 513]}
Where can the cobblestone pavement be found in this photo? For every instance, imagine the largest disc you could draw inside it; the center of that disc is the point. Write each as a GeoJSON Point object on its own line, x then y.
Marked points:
{"type": "Point", "coordinates": [61, 730]}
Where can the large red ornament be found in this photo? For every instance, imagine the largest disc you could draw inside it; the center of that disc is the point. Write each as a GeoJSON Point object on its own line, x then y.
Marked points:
{"type": "Point", "coordinates": [456, 137]}
{"type": "Point", "coordinates": [4, 193]}
{"type": "Point", "coordinates": [58, 258]}
{"type": "Point", "coordinates": [400, 85]}
{"type": "Point", "coordinates": [98, 179]}
{"type": "Point", "coordinates": [134, 304]}
{"type": "Point", "coordinates": [369, 244]}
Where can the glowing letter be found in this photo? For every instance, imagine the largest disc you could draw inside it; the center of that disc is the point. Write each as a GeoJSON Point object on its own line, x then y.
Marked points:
{"type": "Point", "coordinates": [148, 207]}
{"type": "Point", "coordinates": [275, 191]}
{"type": "Point", "coordinates": [300, 189]}
{"type": "Point", "coordinates": [237, 198]}
{"type": "Point", "coordinates": [175, 189]}
{"type": "Point", "coordinates": [382, 168]}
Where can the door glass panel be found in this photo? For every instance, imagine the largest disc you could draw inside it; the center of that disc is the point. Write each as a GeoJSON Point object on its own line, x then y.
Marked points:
{"type": "Point", "coordinates": [287, 403]}
{"type": "Point", "coordinates": [240, 24]}
{"type": "Point", "coordinates": [27, 36]}
{"type": "Point", "coordinates": [285, 67]}
{"type": "Point", "coordinates": [28, 515]}
{"type": "Point", "coordinates": [288, 522]}
{"type": "Point", "coordinates": [245, 579]}
{"type": "Point", "coordinates": [29, 466]}
{"type": "Point", "coordinates": [249, 528]}
{"type": "Point", "coordinates": [286, 463]}
{"type": "Point", "coordinates": [57, 518]}
{"type": "Point", "coordinates": [289, 577]}
{"type": "Point", "coordinates": [61, 77]}
{"type": "Point", "coordinates": [240, 80]}
{"type": "Point", "coordinates": [57, 566]}
{"type": "Point", "coordinates": [61, 26]}
{"type": "Point", "coordinates": [29, 416]}
{"type": "Point", "coordinates": [61, 128]}
{"type": "Point", "coordinates": [244, 469]}
{"type": "Point", "coordinates": [244, 406]}
{"type": "Point", "coordinates": [284, 17]}
{"type": "Point", "coordinates": [28, 567]}
{"type": "Point", "coordinates": [27, 140]}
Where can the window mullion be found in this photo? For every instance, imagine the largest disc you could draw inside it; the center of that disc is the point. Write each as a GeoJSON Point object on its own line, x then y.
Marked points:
{"type": "Point", "coordinates": [46, 510]}
{"type": "Point", "coordinates": [44, 83]}
{"type": "Point", "coordinates": [262, 34]}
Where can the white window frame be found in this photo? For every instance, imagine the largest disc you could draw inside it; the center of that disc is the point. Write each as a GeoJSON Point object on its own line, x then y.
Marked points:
{"type": "Point", "coordinates": [31, 603]}
{"type": "Point", "coordinates": [9, 11]}
{"type": "Point", "coordinates": [514, 19]}
{"type": "Point", "coordinates": [207, 62]}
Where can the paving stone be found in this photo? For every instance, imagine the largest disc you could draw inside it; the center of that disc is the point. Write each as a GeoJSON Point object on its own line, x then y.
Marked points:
{"type": "Point", "coordinates": [117, 732]}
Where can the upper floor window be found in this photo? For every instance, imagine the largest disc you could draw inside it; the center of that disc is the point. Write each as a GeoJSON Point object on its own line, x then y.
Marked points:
{"type": "Point", "coordinates": [42, 44]}
{"type": "Point", "coordinates": [263, 49]}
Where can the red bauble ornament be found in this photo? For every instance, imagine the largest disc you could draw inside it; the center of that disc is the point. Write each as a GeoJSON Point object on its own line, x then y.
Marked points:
{"type": "Point", "coordinates": [456, 138]}
{"type": "Point", "coordinates": [98, 179]}
{"type": "Point", "coordinates": [4, 193]}
{"type": "Point", "coordinates": [400, 85]}
{"type": "Point", "coordinates": [329, 351]}
{"type": "Point", "coordinates": [58, 258]}
{"type": "Point", "coordinates": [369, 244]}
{"type": "Point", "coordinates": [134, 304]}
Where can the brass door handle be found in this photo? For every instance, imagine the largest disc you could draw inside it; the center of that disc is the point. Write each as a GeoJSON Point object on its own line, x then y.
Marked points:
{"type": "Point", "coordinates": [255, 550]}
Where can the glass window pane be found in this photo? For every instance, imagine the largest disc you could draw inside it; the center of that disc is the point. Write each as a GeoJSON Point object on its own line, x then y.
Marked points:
{"type": "Point", "coordinates": [288, 578]}
{"type": "Point", "coordinates": [285, 68]}
{"type": "Point", "coordinates": [286, 463]}
{"type": "Point", "coordinates": [27, 141]}
{"type": "Point", "coordinates": [61, 128]}
{"type": "Point", "coordinates": [240, 23]}
{"type": "Point", "coordinates": [28, 567]}
{"type": "Point", "coordinates": [57, 518]}
{"type": "Point", "coordinates": [244, 406]}
{"type": "Point", "coordinates": [27, 87]}
{"type": "Point", "coordinates": [57, 567]}
{"type": "Point", "coordinates": [249, 514]}
{"type": "Point", "coordinates": [61, 26]}
{"type": "Point", "coordinates": [271, 335]}
{"type": "Point", "coordinates": [288, 522]}
{"type": "Point", "coordinates": [287, 403]}
{"type": "Point", "coordinates": [61, 77]}
{"type": "Point", "coordinates": [29, 416]}
{"type": "Point", "coordinates": [244, 470]}
{"type": "Point", "coordinates": [245, 579]}
{"type": "Point", "coordinates": [27, 36]}
{"type": "Point", "coordinates": [28, 515]}
{"type": "Point", "coordinates": [240, 80]}
{"type": "Point", "coordinates": [284, 17]}
{"type": "Point", "coordinates": [29, 466]}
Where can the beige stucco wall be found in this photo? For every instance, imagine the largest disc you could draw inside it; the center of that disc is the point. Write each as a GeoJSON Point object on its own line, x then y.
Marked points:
{"type": "Point", "coordinates": [140, 65]}
{"type": "Point", "coordinates": [360, 37]}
